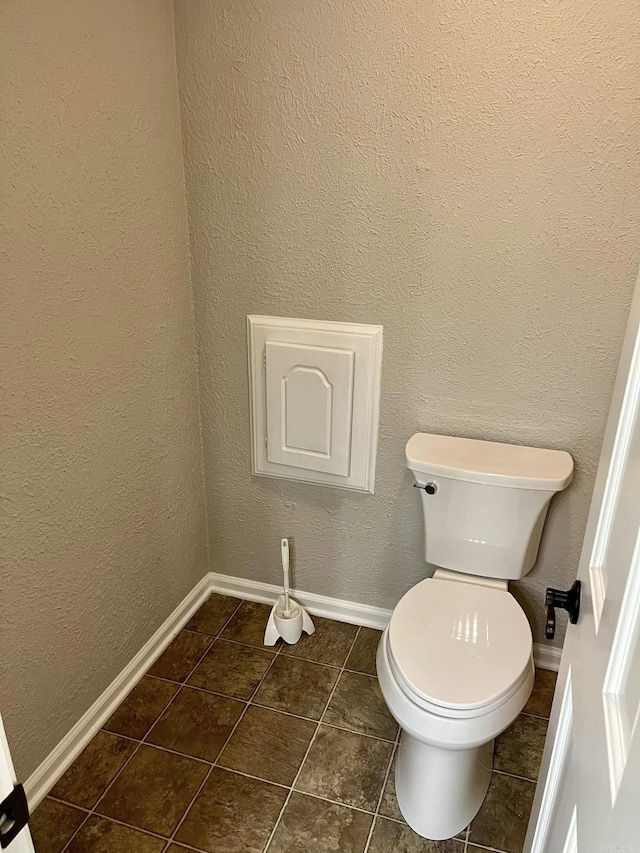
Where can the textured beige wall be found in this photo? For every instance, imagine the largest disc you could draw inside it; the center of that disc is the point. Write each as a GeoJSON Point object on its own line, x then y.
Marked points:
{"type": "Point", "coordinates": [463, 172]}
{"type": "Point", "coordinates": [102, 504]}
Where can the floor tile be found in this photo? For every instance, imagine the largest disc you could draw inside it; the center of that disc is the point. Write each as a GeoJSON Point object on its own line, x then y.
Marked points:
{"type": "Point", "coordinates": [503, 817]}
{"type": "Point", "coordinates": [180, 656]}
{"type": "Point", "coordinates": [519, 749]}
{"type": "Point", "coordinates": [269, 745]}
{"type": "Point", "coordinates": [542, 695]}
{"type": "Point", "coordinates": [100, 835]}
{"type": "Point", "coordinates": [330, 644]}
{"type": "Point", "coordinates": [362, 657]}
{"type": "Point", "coordinates": [232, 669]}
{"type": "Point", "coordinates": [232, 814]}
{"type": "Point", "coordinates": [142, 707]}
{"type": "Point", "coordinates": [52, 825]}
{"type": "Point", "coordinates": [92, 771]}
{"type": "Point", "coordinates": [358, 704]}
{"type": "Point", "coordinates": [154, 790]}
{"type": "Point", "coordinates": [346, 767]}
{"type": "Point", "coordinates": [297, 686]}
{"type": "Point", "coordinates": [197, 723]}
{"type": "Point", "coordinates": [213, 615]}
{"type": "Point", "coordinates": [248, 624]}
{"type": "Point", "coordinates": [309, 824]}
{"type": "Point", "coordinates": [391, 837]}
{"type": "Point", "coordinates": [389, 804]}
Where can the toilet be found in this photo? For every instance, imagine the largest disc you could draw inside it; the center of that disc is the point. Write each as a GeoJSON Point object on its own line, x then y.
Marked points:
{"type": "Point", "coordinates": [455, 663]}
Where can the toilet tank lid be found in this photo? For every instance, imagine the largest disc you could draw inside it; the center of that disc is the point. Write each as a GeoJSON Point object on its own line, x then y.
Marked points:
{"type": "Point", "coordinates": [489, 462]}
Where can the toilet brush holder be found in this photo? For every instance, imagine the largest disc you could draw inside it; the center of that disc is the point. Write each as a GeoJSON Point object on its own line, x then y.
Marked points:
{"type": "Point", "coordinates": [289, 627]}
{"type": "Point", "coordinates": [287, 619]}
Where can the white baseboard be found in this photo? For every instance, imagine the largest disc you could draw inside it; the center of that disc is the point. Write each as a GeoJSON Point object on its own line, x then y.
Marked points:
{"type": "Point", "coordinates": [547, 657]}
{"type": "Point", "coordinates": [55, 764]}
{"type": "Point", "coordinates": [52, 768]}
{"type": "Point", "coordinates": [317, 605]}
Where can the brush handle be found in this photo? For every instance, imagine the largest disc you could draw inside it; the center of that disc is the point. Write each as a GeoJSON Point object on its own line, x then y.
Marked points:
{"type": "Point", "coordinates": [284, 548]}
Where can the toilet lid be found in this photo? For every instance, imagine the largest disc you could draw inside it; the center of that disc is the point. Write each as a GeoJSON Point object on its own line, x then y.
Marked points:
{"type": "Point", "coordinates": [459, 645]}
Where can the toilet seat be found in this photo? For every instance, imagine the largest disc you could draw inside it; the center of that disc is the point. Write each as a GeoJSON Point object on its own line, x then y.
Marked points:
{"type": "Point", "coordinates": [459, 649]}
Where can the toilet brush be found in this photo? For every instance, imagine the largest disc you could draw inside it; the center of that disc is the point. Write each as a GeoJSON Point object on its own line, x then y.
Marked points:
{"type": "Point", "coordinates": [287, 619]}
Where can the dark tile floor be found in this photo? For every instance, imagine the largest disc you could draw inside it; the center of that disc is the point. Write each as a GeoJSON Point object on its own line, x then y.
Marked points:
{"type": "Point", "coordinates": [226, 746]}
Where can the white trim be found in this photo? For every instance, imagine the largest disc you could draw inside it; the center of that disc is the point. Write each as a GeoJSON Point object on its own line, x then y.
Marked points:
{"type": "Point", "coordinates": [620, 719]}
{"type": "Point", "coordinates": [560, 754]}
{"type": "Point", "coordinates": [365, 342]}
{"type": "Point", "coordinates": [545, 657]}
{"type": "Point", "coordinates": [22, 843]}
{"type": "Point", "coordinates": [571, 841]}
{"type": "Point", "coordinates": [47, 774]}
{"type": "Point", "coordinates": [617, 466]}
{"type": "Point", "coordinates": [52, 768]}
{"type": "Point", "coordinates": [317, 605]}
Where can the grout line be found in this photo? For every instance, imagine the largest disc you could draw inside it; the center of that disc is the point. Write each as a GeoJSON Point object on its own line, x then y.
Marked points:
{"type": "Point", "coordinates": [114, 820]}
{"type": "Point", "coordinates": [206, 761]}
{"type": "Point", "coordinates": [220, 695]}
{"type": "Point", "coordinates": [231, 733]}
{"type": "Point", "coordinates": [211, 764]}
{"type": "Point", "coordinates": [247, 703]}
{"type": "Point", "coordinates": [226, 770]}
{"type": "Point", "coordinates": [288, 788]}
{"type": "Point", "coordinates": [103, 794]}
{"type": "Point", "coordinates": [255, 704]}
{"type": "Point", "coordinates": [182, 844]}
{"type": "Point", "coordinates": [169, 750]}
{"type": "Point", "coordinates": [328, 725]}
{"type": "Point", "coordinates": [67, 803]}
{"type": "Point", "coordinates": [181, 686]}
{"type": "Point", "coordinates": [535, 716]}
{"type": "Point", "coordinates": [218, 639]}
{"type": "Point", "coordinates": [515, 776]}
{"type": "Point", "coordinates": [382, 790]}
{"type": "Point", "coordinates": [327, 800]}
{"type": "Point", "coordinates": [188, 808]}
{"type": "Point", "coordinates": [189, 687]}
{"type": "Point", "coordinates": [143, 741]}
{"type": "Point", "coordinates": [279, 650]}
{"type": "Point", "coordinates": [308, 750]}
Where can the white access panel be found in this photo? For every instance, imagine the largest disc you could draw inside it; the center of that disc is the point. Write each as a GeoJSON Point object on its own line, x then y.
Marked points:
{"type": "Point", "coordinates": [309, 398]}
{"type": "Point", "coordinates": [315, 396]}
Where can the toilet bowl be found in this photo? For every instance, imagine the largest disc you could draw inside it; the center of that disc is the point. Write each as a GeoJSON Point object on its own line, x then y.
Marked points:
{"type": "Point", "coordinates": [455, 668]}
{"type": "Point", "coordinates": [455, 662]}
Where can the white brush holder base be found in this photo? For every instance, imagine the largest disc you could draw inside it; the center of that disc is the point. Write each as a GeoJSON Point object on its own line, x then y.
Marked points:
{"type": "Point", "coordinates": [290, 627]}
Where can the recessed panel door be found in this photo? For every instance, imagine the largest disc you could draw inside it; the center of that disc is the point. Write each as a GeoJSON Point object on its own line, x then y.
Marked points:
{"type": "Point", "coordinates": [309, 396]}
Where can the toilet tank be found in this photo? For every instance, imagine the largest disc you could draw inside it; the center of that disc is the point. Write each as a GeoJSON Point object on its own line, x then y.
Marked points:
{"type": "Point", "coordinates": [486, 503]}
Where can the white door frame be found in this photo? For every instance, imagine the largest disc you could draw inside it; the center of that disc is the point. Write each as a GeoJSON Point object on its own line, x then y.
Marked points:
{"type": "Point", "coordinates": [22, 843]}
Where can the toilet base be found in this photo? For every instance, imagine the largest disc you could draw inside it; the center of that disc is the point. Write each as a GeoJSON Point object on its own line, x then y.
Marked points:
{"type": "Point", "coordinates": [439, 791]}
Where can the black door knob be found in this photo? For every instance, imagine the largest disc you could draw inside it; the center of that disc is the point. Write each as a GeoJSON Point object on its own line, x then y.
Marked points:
{"type": "Point", "coordinates": [568, 600]}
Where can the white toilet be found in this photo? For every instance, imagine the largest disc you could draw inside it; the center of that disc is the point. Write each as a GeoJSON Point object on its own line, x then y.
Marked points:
{"type": "Point", "coordinates": [455, 663]}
